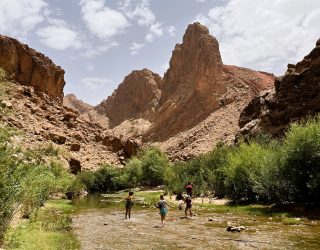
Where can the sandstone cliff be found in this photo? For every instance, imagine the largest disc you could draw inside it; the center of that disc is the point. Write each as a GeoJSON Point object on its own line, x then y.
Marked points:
{"type": "Point", "coordinates": [295, 96]}
{"type": "Point", "coordinates": [136, 97]}
{"type": "Point", "coordinates": [197, 84]}
{"type": "Point", "coordinates": [31, 68]}
{"type": "Point", "coordinates": [192, 84]}
{"type": "Point", "coordinates": [196, 104]}
{"type": "Point", "coordinates": [222, 124]}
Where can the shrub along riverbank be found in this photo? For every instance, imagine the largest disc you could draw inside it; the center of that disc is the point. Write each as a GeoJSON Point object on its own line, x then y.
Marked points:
{"type": "Point", "coordinates": [27, 179]}
{"type": "Point", "coordinates": [261, 171]}
{"type": "Point", "coordinates": [50, 228]}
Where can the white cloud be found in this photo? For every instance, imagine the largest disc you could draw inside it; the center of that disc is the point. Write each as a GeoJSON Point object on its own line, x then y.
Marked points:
{"type": "Point", "coordinates": [149, 37]}
{"type": "Point", "coordinates": [201, 1]}
{"type": "Point", "coordinates": [135, 47]}
{"type": "Point", "coordinates": [99, 50]}
{"type": "Point", "coordinates": [19, 17]}
{"type": "Point", "coordinates": [58, 36]}
{"type": "Point", "coordinates": [140, 12]}
{"type": "Point", "coordinates": [101, 20]}
{"type": "Point", "coordinates": [171, 30]}
{"type": "Point", "coordinates": [157, 30]}
{"type": "Point", "coordinates": [94, 83]}
{"type": "Point", "coordinates": [91, 67]}
{"type": "Point", "coordinates": [264, 34]}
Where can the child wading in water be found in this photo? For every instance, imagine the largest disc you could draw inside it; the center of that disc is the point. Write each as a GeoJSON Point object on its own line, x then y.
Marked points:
{"type": "Point", "coordinates": [188, 202]}
{"type": "Point", "coordinates": [162, 205]}
{"type": "Point", "coordinates": [129, 204]}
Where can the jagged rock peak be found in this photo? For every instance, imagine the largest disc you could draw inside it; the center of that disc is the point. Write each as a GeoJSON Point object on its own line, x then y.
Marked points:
{"type": "Point", "coordinates": [31, 68]}
{"type": "Point", "coordinates": [192, 84]}
{"type": "Point", "coordinates": [136, 97]}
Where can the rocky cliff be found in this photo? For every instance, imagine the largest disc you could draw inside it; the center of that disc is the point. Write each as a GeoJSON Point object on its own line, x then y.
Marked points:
{"type": "Point", "coordinates": [31, 68]}
{"type": "Point", "coordinates": [192, 84]}
{"type": "Point", "coordinates": [295, 95]}
{"type": "Point", "coordinates": [195, 105]}
{"type": "Point", "coordinates": [73, 102]}
{"type": "Point", "coordinates": [222, 124]}
{"type": "Point", "coordinates": [86, 111]}
{"type": "Point", "coordinates": [136, 97]}
{"type": "Point", "coordinates": [197, 84]}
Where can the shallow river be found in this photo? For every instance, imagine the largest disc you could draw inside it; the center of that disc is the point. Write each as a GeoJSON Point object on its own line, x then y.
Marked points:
{"type": "Point", "coordinates": [100, 224]}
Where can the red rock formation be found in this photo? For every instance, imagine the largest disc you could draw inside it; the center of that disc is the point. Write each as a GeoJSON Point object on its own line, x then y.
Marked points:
{"type": "Point", "coordinates": [191, 85]}
{"type": "Point", "coordinates": [31, 68]}
{"type": "Point", "coordinates": [85, 110]}
{"type": "Point", "coordinates": [295, 96]}
{"type": "Point", "coordinates": [71, 101]}
{"type": "Point", "coordinates": [136, 97]}
{"type": "Point", "coordinates": [222, 124]}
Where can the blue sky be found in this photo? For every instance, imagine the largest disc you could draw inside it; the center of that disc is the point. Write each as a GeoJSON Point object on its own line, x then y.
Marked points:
{"type": "Point", "coordinates": [99, 42]}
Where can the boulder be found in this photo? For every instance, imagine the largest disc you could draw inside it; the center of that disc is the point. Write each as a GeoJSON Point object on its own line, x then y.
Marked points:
{"type": "Point", "coordinates": [57, 137]}
{"type": "Point", "coordinates": [131, 147]}
{"type": "Point", "coordinates": [75, 147]}
{"type": "Point", "coordinates": [69, 117]}
{"type": "Point", "coordinates": [235, 229]}
{"type": "Point", "coordinates": [113, 143]}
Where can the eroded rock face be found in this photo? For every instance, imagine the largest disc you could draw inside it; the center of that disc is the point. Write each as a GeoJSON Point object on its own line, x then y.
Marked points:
{"type": "Point", "coordinates": [31, 68]}
{"type": "Point", "coordinates": [191, 85]}
{"type": "Point", "coordinates": [71, 101]}
{"type": "Point", "coordinates": [296, 95]}
{"type": "Point", "coordinates": [136, 97]}
{"type": "Point", "coordinates": [85, 110]}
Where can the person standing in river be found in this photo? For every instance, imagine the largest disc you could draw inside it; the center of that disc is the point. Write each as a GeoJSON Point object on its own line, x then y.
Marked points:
{"type": "Point", "coordinates": [129, 204]}
{"type": "Point", "coordinates": [162, 205]}
{"type": "Point", "coordinates": [188, 201]}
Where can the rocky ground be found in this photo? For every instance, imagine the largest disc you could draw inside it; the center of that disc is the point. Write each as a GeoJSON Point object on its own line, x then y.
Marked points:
{"type": "Point", "coordinates": [43, 121]}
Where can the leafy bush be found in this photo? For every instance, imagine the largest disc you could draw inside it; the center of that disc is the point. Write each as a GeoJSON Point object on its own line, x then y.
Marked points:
{"type": "Point", "coordinates": [105, 179]}
{"type": "Point", "coordinates": [26, 179]}
{"type": "Point", "coordinates": [302, 160]}
{"type": "Point", "coordinates": [153, 166]}
{"type": "Point", "coordinates": [133, 172]}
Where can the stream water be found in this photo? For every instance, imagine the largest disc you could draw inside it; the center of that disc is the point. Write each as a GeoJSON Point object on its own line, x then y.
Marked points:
{"type": "Point", "coordinates": [99, 224]}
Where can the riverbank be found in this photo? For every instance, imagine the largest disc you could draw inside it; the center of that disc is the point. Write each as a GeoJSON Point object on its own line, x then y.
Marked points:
{"type": "Point", "coordinates": [49, 229]}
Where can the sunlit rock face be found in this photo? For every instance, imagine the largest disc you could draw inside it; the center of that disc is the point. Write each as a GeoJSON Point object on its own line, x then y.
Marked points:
{"type": "Point", "coordinates": [31, 68]}
{"type": "Point", "coordinates": [136, 97]}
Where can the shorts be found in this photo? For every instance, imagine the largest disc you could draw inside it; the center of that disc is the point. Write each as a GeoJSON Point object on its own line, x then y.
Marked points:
{"type": "Point", "coordinates": [163, 211]}
{"type": "Point", "coordinates": [189, 206]}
